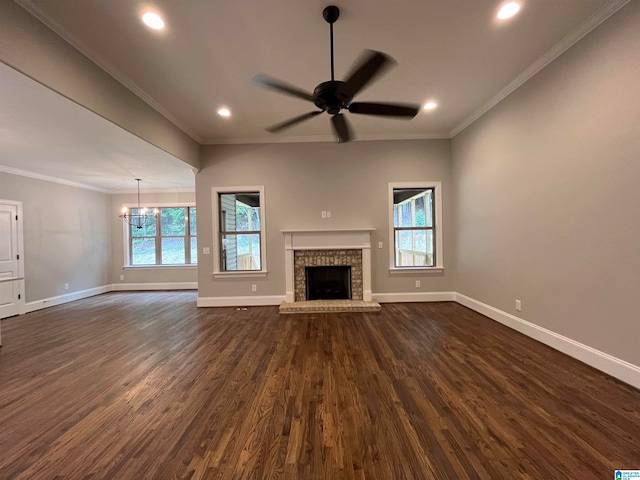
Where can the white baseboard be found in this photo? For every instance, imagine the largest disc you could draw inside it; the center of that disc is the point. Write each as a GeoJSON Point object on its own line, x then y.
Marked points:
{"type": "Point", "coordinates": [119, 287]}
{"type": "Point", "coordinates": [604, 362]}
{"type": "Point", "coordinates": [68, 297]}
{"type": "Point", "coordinates": [243, 301]}
{"type": "Point", "coordinates": [414, 297]}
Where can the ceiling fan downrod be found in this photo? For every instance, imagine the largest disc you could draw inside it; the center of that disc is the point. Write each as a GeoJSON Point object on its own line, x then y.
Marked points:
{"type": "Point", "coordinates": [331, 14]}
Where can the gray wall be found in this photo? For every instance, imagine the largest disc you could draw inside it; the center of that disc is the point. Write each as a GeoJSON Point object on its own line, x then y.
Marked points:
{"type": "Point", "coordinates": [547, 204]}
{"type": "Point", "coordinates": [31, 48]}
{"type": "Point", "coordinates": [66, 235]}
{"type": "Point", "coordinates": [144, 274]}
{"type": "Point", "coordinates": [74, 236]}
{"type": "Point", "coordinates": [351, 180]}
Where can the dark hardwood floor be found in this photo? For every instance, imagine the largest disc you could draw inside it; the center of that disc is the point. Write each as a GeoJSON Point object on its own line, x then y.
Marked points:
{"type": "Point", "coordinates": [147, 386]}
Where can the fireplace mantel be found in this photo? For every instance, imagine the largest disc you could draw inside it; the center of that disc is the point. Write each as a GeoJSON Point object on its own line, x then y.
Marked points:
{"type": "Point", "coordinates": [335, 239]}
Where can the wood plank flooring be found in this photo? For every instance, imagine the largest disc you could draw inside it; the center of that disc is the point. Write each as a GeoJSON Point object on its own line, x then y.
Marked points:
{"type": "Point", "coordinates": [147, 386]}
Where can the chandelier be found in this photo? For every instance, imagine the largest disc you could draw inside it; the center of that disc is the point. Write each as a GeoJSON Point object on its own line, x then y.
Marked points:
{"type": "Point", "coordinates": [142, 216]}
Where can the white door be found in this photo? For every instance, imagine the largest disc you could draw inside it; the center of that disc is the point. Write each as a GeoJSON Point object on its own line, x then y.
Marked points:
{"type": "Point", "coordinates": [10, 261]}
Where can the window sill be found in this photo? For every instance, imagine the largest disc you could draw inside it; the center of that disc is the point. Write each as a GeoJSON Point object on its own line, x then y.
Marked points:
{"type": "Point", "coordinates": [240, 274]}
{"type": "Point", "coordinates": [137, 267]}
{"type": "Point", "coordinates": [401, 270]}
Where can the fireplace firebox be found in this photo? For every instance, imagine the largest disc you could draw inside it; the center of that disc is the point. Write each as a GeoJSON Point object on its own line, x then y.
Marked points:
{"type": "Point", "coordinates": [328, 282]}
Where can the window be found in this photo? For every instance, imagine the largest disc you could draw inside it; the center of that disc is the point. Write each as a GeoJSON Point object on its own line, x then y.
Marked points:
{"type": "Point", "coordinates": [239, 228]}
{"type": "Point", "coordinates": [415, 226]}
{"type": "Point", "coordinates": [170, 239]}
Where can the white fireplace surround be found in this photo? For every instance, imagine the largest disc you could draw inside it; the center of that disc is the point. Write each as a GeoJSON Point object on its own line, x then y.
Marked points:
{"type": "Point", "coordinates": [355, 238]}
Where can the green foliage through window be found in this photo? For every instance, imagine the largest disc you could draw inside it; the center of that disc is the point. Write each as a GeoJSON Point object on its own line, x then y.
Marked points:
{"type": "Point", "coordinates": [170, 238]}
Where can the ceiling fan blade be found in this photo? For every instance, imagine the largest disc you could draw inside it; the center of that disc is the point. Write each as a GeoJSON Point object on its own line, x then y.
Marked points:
{"type": "Point", "coordinates": [372, 65]}
{"type": "Point", "coordinates": [341, 127]}
{"type": "Point", "coordinates": [385, 109]}
{"type": "Point", "coordinates": [282, 87]}
{"type": "Point", "coordinates": [292, 121]}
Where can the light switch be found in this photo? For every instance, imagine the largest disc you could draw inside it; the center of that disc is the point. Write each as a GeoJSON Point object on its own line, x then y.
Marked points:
{"type": "Point", "coordinates": [328, 213]}
{"type": "Point", "coordinates": [379, 244]}
{"type": "Point", "coordinates": [324, 214]}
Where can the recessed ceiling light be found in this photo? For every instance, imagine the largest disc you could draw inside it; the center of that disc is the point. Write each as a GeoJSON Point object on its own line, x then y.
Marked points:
{"type": "Point", "coordinates": [153, 20]}
{"type": "Point", "coordinates": [224, 112]}
{"type": "Point", "coordinates": [430, 105]}
{"type": "Point", "coordinates": [508, 10]}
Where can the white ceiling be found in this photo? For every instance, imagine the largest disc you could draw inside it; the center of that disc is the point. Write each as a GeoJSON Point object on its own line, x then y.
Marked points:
{"type": "Point", "coordinates": [452, 51]}
{"type": "Point", "coordinates": [45, 135]}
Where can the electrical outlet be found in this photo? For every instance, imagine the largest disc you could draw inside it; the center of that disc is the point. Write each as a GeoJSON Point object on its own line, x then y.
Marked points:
{"type": "Point", "coordinates": [206, 250]}
{"type": "Point", "coordinates": [121, 277]}
{"type": "Point", "coordinates": [66, 286]}
{"type": "Point", "coordinates": [518, 305]}
{"type": "Point", "coordinates": [417, 283]}
{"type": "Point", "coordinates": [328, 213]}
{"type": "Point", "coordinates": [254, 288]}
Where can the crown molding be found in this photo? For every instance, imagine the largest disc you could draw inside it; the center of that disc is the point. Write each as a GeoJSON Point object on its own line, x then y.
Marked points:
{"type": "Point", "coordinates": [35, 11]}
{"type": "Point", "coordinates": [47, 178]}
{"type": "Point", "coordinates": [153, 190]}
{"type": "Point", "coordinates": [69, 183]}
{"type": "Point", "coordinates": [558, 49]}
{"type": "Point", "coordinates": [321, 138]}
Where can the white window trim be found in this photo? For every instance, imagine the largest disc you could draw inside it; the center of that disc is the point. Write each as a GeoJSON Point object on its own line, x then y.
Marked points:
{"type": "Point", "coordinates": [171, 267]}
{"type": "Point", "coordinates": [437, 190]}
{"type": "Point", "coordinates": [125, 234]}
{"type": "Point", "coordinates": [215, 191]}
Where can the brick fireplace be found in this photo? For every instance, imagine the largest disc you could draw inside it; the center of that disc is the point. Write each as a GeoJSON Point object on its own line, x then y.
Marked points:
{"type": "Point", "coordinates": [302, 259]}
{"type": "Point", "coordinates": [305, 248]}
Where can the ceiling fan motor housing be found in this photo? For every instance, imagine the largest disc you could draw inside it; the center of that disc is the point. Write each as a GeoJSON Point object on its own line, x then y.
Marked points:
{"type": "Point", "coordinates": [331, 97]}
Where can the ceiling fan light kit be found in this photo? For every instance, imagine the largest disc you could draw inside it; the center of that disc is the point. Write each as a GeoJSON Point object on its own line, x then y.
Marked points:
{"type": "Point", "coordinates": [334, 95]}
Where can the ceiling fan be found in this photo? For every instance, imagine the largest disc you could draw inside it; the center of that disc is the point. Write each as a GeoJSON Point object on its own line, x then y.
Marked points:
{"type": "Point", "coordinates": [335, 95]}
